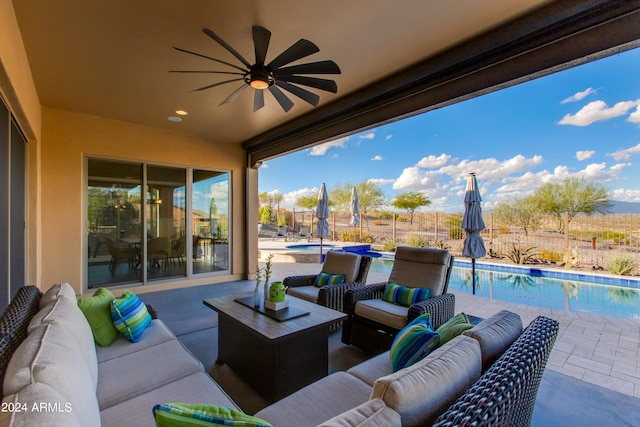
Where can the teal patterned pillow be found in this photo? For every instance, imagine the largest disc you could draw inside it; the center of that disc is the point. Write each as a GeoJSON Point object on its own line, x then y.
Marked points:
{"type": "Point", "coordinates": [196, 415]}
{"type": "Point", "coordinates": [413, 343]}
{"type": "Point", "coordinates": [324, 279]}
{"type": "Point", "coordinates": [401, 295]}
{"type": "Point", "coordinates": [130, 316]}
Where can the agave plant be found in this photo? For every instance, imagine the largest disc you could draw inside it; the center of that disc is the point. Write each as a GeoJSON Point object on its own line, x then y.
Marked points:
{"type": "Point", "coordinates": [521, 256]}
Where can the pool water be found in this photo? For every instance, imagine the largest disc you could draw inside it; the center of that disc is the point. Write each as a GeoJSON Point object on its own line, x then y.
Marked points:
{"type": "Point", "coordinates": [560, 294]}
{"type": "Point", "coordinates": [310, 247]}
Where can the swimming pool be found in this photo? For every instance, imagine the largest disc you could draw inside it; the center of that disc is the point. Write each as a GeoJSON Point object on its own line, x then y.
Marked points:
{"type": "Point", "coordinates": [310, 247]}
{"type": "Point", "coordinates": [568, 292]}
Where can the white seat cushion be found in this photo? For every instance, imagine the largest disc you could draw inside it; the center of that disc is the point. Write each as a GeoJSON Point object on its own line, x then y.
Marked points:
{"type": "Point", "coordinates": [384, 312]}
{"type": "Point", "coordinates": [156, 334]}
{"type": "Point", "coordinates": [52, 410]}
{"type": "Point", "coordinates": [371, 369]}
{"type": "Point", "coordinates": [308, 293]}
{"type": "Point", "coordinates": [372, 413]}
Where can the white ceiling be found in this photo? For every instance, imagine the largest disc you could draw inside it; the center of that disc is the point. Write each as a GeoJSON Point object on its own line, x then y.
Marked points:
{"type": "Point", "coordinates": [112, 58]}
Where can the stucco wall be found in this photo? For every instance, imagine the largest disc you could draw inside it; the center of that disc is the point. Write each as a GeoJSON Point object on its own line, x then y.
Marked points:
{"type": "Point", "coordinates": [68, 137]}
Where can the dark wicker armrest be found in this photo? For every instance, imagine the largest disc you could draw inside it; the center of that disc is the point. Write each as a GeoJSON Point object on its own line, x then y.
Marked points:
{"type": "Point", "coordinates": [152, 311]}
{"type": "Point", "coordinates": [332, 296]}
{"type": "Point", "coordinates": [360, 293]}
{"type": "Point", "coordinates": [295, 281]}
{"type": "Point", "coordinates": [441, 309]}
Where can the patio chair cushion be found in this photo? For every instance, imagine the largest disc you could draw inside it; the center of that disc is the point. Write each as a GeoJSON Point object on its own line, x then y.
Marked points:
{"type": "Point", "coordinates": [495, 335]}
{"type": "Point", "coordinates": [398, 294]}
{"type": "Point", "coordinates": [384, 312]}
{"type": "Point", "coordinates": [308, 293]}
{"type": "Point", "coordinates": [453, 327]}
{"type": "Point", "coordinates": [413, 343]}
{"type": "Point", "coordinates": [33, 396]}
{"type": "Point", "coordinates": [194, 415]}
{"type": "Point", "coordinates": [372, 413]}
{"type": "Point", "coordinates": [130, 316]}
{"type": "Point", "coordinates": [420, 268]}
{"type": "Point", "coordinates": [411, 391]}
{"type": "Point", "coordinates": [323, 279]}
{"type": "Point", "coordinates": [342, 263]}
{"type": "Point", "coordinates": [97, 310]}
{"type": "Point", "coordinates": [56, 291]}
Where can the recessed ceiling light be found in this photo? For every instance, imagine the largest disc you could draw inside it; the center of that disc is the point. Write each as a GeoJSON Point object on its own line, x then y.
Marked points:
{"type": "Point", "coordinates": [174, 119]}
{"type": "Point", "coordinates": [181, 112]}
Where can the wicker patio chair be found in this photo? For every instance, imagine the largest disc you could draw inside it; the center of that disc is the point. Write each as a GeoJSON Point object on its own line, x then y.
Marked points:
{"type": "Point", "coordinates": [373, 323]}
{"type": "Point", "coordinates": [505, 394]}
{"type": "Point", "coordinates": [355, 267]}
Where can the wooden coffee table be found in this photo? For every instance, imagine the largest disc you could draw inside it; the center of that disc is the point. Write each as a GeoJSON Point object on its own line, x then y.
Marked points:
{"type": "Point", "coordinates": [274, 357]}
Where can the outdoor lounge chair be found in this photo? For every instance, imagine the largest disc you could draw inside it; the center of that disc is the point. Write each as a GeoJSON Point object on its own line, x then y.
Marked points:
{"type": "Point", "coordinates": [354, 267]}
{"type": "Point", "coordinates": [372, 323]}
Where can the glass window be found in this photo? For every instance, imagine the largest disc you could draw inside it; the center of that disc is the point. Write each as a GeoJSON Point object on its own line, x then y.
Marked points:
{"type": "Point", "coordinates": [113, 222]}
{"type": "Point", "coordinates": [166, 225]}
{"type": "Point", "coordinates": [210, 221]}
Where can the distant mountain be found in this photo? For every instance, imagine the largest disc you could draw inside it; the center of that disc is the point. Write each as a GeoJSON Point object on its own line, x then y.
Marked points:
{"type": "Point", "coordinates": [625, 207]}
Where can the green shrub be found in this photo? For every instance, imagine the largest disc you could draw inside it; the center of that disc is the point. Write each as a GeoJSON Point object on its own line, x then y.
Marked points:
{"type": "Point", "coordinates": [455, 227]}
{"type": "Point", "coordinates": [386, 215]}
{"type": "Point", "coordinates": [621, 265]}
{"type": "Point", "coordinates": [521, 256]}
{"type": "Point", "coordinates": [389, 246]}
{"type": "Point", "coordinates": [417, 241]}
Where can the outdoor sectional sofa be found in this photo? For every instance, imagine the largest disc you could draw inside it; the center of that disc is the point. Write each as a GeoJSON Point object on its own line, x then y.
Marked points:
{"type": "Point", "coordinates": [47, 355]}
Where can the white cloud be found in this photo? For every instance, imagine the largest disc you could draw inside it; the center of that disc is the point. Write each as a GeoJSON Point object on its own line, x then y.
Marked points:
{"type": "Point", "coordinates": [380, 181]}
{"type": "Point", "coordinates": [388, 137]}
{"type": "Point", "coordinates": [635, 116]}
{"type": "Point", "coordinates": [321, 150]}
{"type": "Point", "coordinates": [578, 96]}
{"type": "Point", "coordinates": [597, 111]}
{"type": "Point", "coordinates": [432, 161]}
{"type": "Point", "coordinates": [376, 158]}
{"type": "Point", "coordinates": [289, 199]}
{"type": "Point", "coordinates": [492, 168]}
{"type": "Point", "coordinates": [626, 195]}
{"type": "Point", "coordinates": [584, 154]}
{"type": "Point", "coordinates": [369, 135]}
{"type": "Point", "coordinates": [625, 153]}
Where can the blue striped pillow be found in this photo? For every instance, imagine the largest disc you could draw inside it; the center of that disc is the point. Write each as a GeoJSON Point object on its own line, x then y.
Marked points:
{"type": "Point", "coordinates": [324, 279]}
{"type": "Point", "coordinates": [399, 294]}
{"type": "Point", "coordinates": [130, 316]}
{"type": "Point", "coordinates": [413, 343]}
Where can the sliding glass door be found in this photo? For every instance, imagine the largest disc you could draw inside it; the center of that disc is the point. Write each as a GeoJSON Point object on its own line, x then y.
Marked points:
{"type": "Point", "coordinates": [135, 236]}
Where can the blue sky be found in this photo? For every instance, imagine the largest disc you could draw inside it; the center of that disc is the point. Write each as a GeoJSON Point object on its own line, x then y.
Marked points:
{"type": "Point", "coordinates": [582, 122]}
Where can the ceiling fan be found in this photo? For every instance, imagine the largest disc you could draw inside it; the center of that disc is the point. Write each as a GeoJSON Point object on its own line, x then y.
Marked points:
{"type": "Point", "coordinates": [272, 76]}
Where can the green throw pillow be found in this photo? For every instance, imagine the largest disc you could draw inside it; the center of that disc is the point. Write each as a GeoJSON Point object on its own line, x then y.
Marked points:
{"type": "Point", "coordinates": [398, 294]}
{"type": "Point", "coordinates": [413, 343]}
{"type": "Point", "coordinates": [197, 415]}
{"type": "Point", "coordinates": [324, 279]}
{"type": "Point", "coordinates": [97, 310]}
{"type": "Point", "coordinates": [453, 327]}
{"type": "Point", "coordinates": [130, 316]}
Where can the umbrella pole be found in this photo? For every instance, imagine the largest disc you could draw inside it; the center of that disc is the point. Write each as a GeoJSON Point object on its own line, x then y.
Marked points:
{"type": "Point", "coordinates": [473, 276]}
{"type": "Point", "coordinates": [321, 249]}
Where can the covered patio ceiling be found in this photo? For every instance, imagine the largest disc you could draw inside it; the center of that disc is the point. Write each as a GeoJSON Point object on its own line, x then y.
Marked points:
{"type": "Point", "coordinates": [397, 59]}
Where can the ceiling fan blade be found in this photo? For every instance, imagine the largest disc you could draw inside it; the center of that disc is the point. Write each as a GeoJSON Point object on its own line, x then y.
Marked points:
{"type": "Point", "coordinates": [212, 59]}
{"type": "Point", "coordinates": [298, 50]}
{"type": "Point", "coordinates": [215, 84]}
{"type": "Point", "coordinates": [321, 67]}
{"type": "Point", "coordinates": [323, 84]}
{"type": "Point", "coordinates": [224, 44]}
{"type": "Point", "coordinates": [206, 72]}
{"type": "Point", "coordinates": [234, 94]}
{"type": "Point", "coordinates": [301, 93]}
{"type": "Point", "coordinates": [261, 37]}
{"type": "Point", "coordinates": [258, 100]}
{"type": "Point", "coordinates": [282, 99]}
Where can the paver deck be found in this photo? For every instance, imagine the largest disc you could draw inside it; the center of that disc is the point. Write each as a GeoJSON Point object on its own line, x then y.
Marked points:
{"type": "Point", "coordinates": [600, 350]}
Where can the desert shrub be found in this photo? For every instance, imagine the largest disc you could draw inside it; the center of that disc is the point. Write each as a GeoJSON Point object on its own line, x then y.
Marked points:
{"type": "Point", "coordinates": [417, 241]}
{"type": "Point", "coordinates": [550, 255]}
{"type": "Point", "coordinates": [621, 265]}
{"type": "Point", "coordinates": [455, 227]}
{"type": "Point", "coordinates": [347, 236]}
{"type": "Point", "coordinates": [504, 229]}
{"type": "Point", "coordinates": [389, 246]}
{"type": "Point", "coordinates": [402, 218]}
{"type": "Point", "coordinates": [379, 222]}
{"type": "Point", "coordinates": [440, 244]}
{"type": "Point", "coordinates": [517, 255]}
{"type": "Point", "coordinates": [386, 215]}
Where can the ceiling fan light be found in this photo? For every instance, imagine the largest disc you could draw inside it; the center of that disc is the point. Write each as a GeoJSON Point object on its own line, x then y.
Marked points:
{"type": "Point", "coordinates": [257, 83]}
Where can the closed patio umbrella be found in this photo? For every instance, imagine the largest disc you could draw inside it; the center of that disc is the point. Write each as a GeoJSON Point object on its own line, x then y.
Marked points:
{"type": "Point", "coordinates": [473, 224]}
{"type": "Point", "coordinates": [322, 213]}
{"type": "Point", "coordinates": [354, 208]}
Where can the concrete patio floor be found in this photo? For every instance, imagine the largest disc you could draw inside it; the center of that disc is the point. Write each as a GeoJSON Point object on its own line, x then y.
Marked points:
{"type": "Point", "coordinates": [599, 350]}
